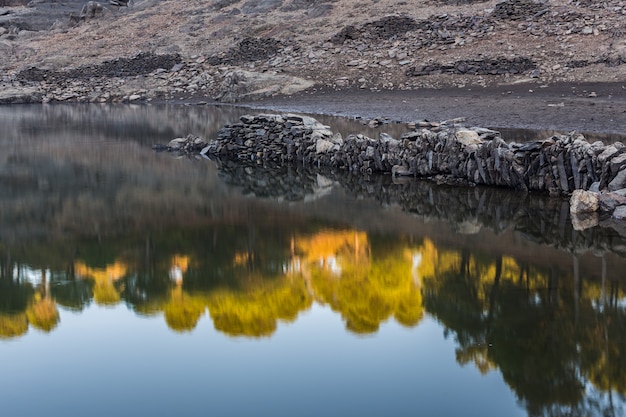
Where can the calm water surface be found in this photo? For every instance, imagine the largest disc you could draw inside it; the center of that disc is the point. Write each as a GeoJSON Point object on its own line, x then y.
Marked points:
{"type": "Point", "coordinates": [139, 283]}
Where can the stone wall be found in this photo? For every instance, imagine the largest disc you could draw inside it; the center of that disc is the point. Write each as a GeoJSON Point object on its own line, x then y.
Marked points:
{"type": "Point", "coordinates": [445, 151]}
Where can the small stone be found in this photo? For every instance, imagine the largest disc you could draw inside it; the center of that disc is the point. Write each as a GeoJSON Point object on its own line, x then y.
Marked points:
{"type": "Point", "coordinates": [595, 187]}
{"type": "Point", "coordinates": [177, 143]}
{"type": "Point", "coordinates": [620, 213]}
{"type": "Point", "coordinates": [337, 139]}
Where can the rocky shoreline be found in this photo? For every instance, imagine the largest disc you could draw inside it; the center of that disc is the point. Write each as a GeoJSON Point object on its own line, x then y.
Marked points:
{"type": "Point", "coordinates": [229, 51]}
{"type": "Point", "coordinates": [446, 152]}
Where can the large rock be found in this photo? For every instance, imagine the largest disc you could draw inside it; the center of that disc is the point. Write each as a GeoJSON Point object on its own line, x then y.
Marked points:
{"type": "Point", "coordinates": [620, 213]}
{"type": "Point", "coordinates": [610, 201]}
{"type": "Point", "coordinates": [21, 95]}
{"type": "Point", "coordinates": [607, 153]}
{"type": "Point", "coordinates": [468, 137]}
{"type": "Point", "coordinates": [584, 202]}
{"type": "Point", "coordinates": [323, 146]}
{"type": "Point", "coordinates": [619, 181]}
{"type": "Point", "coordinates": [618, 163]}
{"type": "Point", "coordinates": [239, 84]}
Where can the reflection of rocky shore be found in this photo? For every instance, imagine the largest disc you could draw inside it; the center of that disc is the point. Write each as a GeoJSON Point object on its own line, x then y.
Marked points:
{"type": "Point", "coordinates": [541, 219]}
{"type": "Point", "coordinates": [144, 124]}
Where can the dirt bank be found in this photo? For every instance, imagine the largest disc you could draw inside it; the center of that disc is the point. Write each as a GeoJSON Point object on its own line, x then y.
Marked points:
{"type": "Point", "coordinates": [585, 107]}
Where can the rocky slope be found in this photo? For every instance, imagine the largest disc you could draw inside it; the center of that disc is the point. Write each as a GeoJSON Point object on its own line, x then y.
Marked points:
{"type": "Point", "coordinates": [231, 50]}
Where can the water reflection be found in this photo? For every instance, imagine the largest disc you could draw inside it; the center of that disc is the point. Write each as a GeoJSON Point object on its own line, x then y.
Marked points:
{"type": "Point", "coordinates": [552, 333]}
{"type": "Point", "coordinates": [467, 210]}
{"type": "Point", "coordinates": [245, 249]}
{"type": "Point", "coordinates": [255, 286]}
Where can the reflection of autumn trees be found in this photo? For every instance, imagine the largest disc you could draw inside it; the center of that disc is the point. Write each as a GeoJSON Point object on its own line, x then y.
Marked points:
{"type": "Point", "coordinates": [256, 312]}
{"type": "Point", "coordinates": [14, 299]}
{"type": "Point", "coordinates": [252, 309]}
{"type": "Point", "coordinates": [335, 267]}
{"type": "Point", "coordinates": [247, 283]}
{"type": "Point", "coordinates": [182, 311]}
{"type": "Point", "coordinates": [542, 329]}
{"type": "Point", "coordinates": [556, 336]}
{"type": "Point", "coordinates": [366, 285]}
{"type": "Point", "coordinates": [22, 305]}
{"type": "Point", "coordinates": [42, 312]}
{"type": "Point", "coordinates": [13, 325]}
{"type": "Point", "coordinates": [104, 289]}
{"type": "Point", "coordinates": [602, 348]}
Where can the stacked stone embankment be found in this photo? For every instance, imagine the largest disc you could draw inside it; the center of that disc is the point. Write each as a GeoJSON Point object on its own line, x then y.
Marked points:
{"type": "Point", "coordinates": [444, 151]}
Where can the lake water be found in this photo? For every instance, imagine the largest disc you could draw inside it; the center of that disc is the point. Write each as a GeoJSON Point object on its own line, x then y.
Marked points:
{"type": "Point", "coordinates": [140, 283]}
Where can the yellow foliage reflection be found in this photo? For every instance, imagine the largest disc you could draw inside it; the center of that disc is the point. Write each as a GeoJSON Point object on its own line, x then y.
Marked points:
{"type": "Point", "coordinates": [13, 325]}
{"type": "Point", "coordinates": [255, 312]}
{"type": "Point", "coordinates": [104, 291]}
{"type": "Point", "coordinates": [183, 311]}
{"type": "Point", "coordinates": [43, 313]}
{"type": "Point", "coordinates": [365, 288]}
{"type": "Point", "coordinates": [330, 248]}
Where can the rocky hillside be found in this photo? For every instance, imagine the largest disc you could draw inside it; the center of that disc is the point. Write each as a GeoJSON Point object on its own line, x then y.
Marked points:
{"type": "Point", "coordinates": [241, 49]}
